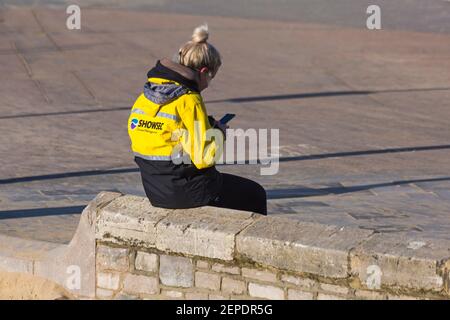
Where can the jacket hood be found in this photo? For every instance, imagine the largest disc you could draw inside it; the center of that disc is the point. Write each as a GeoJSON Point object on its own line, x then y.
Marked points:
{"type": "Point", "coordinates": [162, 93]}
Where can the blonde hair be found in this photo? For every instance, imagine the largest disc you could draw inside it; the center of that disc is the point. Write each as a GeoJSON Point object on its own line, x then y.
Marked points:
{"type": "Point", "coordinates": [198, 53]}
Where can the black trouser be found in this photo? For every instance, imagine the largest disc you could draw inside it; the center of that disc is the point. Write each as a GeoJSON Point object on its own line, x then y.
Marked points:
{"type": "Point", "coordinates": [241, 194]}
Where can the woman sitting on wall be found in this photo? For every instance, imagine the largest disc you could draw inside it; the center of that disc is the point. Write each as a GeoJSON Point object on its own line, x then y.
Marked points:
{"type": "Point", "coordinates": [169, 119]}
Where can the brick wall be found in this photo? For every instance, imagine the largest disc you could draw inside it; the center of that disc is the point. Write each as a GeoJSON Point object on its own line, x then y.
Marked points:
{"type": "Point", "coordinates": [134, 273]}
{"type": "Point", "coordinates": [211, 253]}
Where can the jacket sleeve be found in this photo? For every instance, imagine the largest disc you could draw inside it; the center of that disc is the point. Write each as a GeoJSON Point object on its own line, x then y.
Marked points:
{"type": "Point", "coordinates": [200, 140]}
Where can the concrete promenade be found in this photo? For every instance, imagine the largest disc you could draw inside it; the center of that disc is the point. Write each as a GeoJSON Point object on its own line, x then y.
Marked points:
{"type": "Point", "coordinates": [364, 116]}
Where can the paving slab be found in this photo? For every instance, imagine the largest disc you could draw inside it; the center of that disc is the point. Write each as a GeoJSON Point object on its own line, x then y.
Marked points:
{"type": "Point", "coordinates": [363, 133]}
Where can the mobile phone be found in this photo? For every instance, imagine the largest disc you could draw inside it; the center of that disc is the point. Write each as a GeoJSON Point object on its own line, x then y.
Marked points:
{"type": "Point", "coordinates": [226, 118]}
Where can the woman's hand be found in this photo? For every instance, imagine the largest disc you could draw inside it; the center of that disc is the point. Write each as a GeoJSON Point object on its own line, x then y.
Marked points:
{"type": "Point", "coordinates": [222, 127]}
{"type": "Point", "coordinates": [219, 125]}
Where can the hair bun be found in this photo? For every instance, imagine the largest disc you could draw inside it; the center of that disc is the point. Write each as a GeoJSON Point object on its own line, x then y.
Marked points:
{"type": "Point", "coordinates": [200, 34]}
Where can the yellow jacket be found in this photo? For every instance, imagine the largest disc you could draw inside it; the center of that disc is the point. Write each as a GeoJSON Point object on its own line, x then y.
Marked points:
{"type": "Point", "coordinates": [179, 126]}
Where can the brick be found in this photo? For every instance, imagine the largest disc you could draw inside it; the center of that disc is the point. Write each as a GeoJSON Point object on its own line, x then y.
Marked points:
{"type": "Point", "coordinates": [109, 258]}
{"type": "Point", "coordinates": [11, 264]}
{"type": "Point", "coordinates": [172, 294]}
{"type": "Point", "coordinates": [334, 288]}
{"type": "Point", "coordinates": [213, 296]}
{"type": "Point", "coordinates": [369, 295]}
{"type": "Point", "coordinates": [243, 297]}
{"type": "Point", "coordinates": [202, 264]}
{"type": "Point", "coordinates": [299, 295]}
{"type": "Point", "coordinates": [207, 280]}
{"type": "Point", "coordinates": [104, 293]}
{"type": "Point", "coordinates": [230, 285]}
{"type": "Point", "coordinates": [196, 296]}
{"type": "Point", "coordinates": [218, 267]}
{"type": "Point", "coordinates": [300, 246]}
{"type": "Point", "coordinates": [129, 220]}
{"type": "Point", "coordinates": [259, 274]}
{"type": "Point", "coordinates": [138, 284]}
{"type": "Point", "coordinates": [300, 282]}
{"type": "Point", "coordinates": [124, 296]}
{"type": "Point", "coordinates": [401, 297]}
{"type": "Point", "coordinates": [146, 261]}
{"type": "Point", "coordinates": [265, 291]}
{"type": "Point", "coordinates": [205, 231]}
{"type": "Point", "coordinates": [176, 271]}
{"type": "Point", "coordinates": [108, 280]}
{"type": "Point", "coordinates": [323, 296]}
{"type": "Point", "coordinates": [397, 261]}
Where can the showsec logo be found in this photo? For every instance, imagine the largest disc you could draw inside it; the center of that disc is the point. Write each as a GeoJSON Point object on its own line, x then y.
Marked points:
{"type": "Point", "coordinates": [134, 123]}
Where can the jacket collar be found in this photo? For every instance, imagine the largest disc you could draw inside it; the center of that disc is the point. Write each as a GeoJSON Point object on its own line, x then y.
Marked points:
{"type": "Point", "coordinates": [170, 70]}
